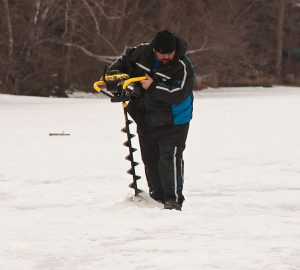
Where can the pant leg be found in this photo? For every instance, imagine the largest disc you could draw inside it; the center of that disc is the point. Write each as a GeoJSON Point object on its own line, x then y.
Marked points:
{"type": "Point", "coordinates": [171, 170]}
{"type": "Point", "coordinates": [171, 164]}
{"type": "Point", "coordinates": [150, 156]}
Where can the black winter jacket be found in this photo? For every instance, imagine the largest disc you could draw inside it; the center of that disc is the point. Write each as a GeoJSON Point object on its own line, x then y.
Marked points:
{"type": "Point", "coordinates": [168, 101]}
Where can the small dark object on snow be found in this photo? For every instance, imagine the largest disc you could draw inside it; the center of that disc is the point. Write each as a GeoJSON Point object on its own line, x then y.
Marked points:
{"type": "Point", "coordinates": [59, 134]}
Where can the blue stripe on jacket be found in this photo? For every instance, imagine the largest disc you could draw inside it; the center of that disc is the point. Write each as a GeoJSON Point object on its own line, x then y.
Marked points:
{"type": "Point", "coordinates": [182, 112]}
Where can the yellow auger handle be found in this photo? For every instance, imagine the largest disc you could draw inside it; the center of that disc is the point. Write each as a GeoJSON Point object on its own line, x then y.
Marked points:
{"type": "Point", "coordinates": [109, 78]}
{"type": "Point", "coordinates": [132, 80]}
{"type": "Point", "coordinates": [96, 85]}
{"type": "Point", "coordinates": [125, 84]}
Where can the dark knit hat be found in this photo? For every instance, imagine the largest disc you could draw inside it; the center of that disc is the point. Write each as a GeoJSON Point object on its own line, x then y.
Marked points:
{"type": "Point", "coordinates": [164, 42]}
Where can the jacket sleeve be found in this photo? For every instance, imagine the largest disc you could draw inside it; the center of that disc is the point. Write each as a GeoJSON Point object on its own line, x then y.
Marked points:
{"type": "Point", "coordinates": [122, 63]}
{"type": "Point", "coordinates": [177, 88]}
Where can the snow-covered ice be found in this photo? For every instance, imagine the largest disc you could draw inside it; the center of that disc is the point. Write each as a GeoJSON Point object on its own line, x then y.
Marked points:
{"type": "Point", "coordinates": [65, 204]}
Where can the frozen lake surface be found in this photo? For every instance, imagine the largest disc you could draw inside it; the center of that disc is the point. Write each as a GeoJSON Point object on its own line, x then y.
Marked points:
{"type": "Point", "coordinates": [65, 204]}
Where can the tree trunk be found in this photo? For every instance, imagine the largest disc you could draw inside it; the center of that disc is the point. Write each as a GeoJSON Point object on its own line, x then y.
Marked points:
{"type": "Point", "coordinates": [10, 41]}
{"type": "Point", "coordinates": [279, 38]}
{"type": "Point", "coordinates": [9, 30]}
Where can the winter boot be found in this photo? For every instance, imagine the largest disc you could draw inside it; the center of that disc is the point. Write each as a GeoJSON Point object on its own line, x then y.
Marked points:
{"type": "Point", "coordinates": [172, 204]}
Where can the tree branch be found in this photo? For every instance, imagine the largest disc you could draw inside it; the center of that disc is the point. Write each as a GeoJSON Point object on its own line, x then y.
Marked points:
{"type": "Point", "coordinates": [93, 15]}
{"type": "Point", "coordinates": [201, 49]}
{"type": "Point", "coordinates": [104, 58]}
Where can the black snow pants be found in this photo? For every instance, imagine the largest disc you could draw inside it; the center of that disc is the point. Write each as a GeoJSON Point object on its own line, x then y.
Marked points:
{"type": "Point", "coordinates": [161, 150]}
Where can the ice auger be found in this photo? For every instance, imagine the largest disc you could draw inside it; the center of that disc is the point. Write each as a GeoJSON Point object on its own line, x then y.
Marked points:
{"type": "Point", "coordinates": [115, 85]}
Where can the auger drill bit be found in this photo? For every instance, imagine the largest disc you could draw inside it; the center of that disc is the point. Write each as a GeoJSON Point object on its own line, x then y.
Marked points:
{"type": "Point", "coordinates": [130, 157]}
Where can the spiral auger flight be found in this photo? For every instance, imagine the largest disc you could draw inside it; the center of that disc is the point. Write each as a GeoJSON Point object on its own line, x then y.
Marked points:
{"type": "Point", "coordinates": [115, 85]}
{"type": "Point", "coordinates": [130, 156]}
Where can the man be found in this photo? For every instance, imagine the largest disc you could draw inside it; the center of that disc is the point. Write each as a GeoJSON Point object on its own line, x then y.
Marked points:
{"type": "Point", "coordinates": [161, 106]}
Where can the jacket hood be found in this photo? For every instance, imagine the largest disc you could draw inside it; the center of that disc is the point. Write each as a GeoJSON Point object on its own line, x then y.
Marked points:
{"type": "Point", "coordinates": [180, 47]}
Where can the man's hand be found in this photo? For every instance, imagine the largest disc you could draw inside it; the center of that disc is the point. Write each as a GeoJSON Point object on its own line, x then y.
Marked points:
{"type": "Point", "coordinates": [146, 83]}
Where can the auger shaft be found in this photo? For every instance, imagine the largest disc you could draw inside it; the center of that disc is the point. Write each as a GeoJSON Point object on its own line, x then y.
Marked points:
{"type": "Point", "coordinates": [128, 144]}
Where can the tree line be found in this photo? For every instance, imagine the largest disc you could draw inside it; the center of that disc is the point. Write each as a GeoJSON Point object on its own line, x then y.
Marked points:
{"type": "Point", "coordinates": [48, 47]}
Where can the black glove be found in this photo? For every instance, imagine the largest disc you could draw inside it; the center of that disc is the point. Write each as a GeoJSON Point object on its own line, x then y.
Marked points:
{"type": "Point", "coordinates": [112, 85]}
{"type": "Point", "coordinates": [133, 90]}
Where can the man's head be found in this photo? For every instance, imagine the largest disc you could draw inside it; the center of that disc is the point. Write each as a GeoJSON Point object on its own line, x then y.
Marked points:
{"type": "Point", "coordinates": [164, 46]}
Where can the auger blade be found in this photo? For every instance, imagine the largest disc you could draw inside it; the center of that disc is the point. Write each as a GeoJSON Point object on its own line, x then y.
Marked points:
{"type": "Point", "coordinates": [132, 185]}
{"type": "Point", "coordinates": [131, 135]}
{"type": "Point", "coordinates": [137, 177]}
{"type": "Point", "coordinates": [130, 158]}
{"type": "Point", "coordinates": [130, 171]}
{"type": "Point", "coordinates": [126, 143]}
{"type": "Point", "coordinates": [137, 190]}
{"type": "Point", "coordinates": [129, 122]}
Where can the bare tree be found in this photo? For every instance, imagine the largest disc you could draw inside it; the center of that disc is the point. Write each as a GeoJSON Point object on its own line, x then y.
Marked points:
{"type": "Point", "coordinates": [47, 47]}
{"type": "Point", "coordinates": [280, 37]}
{"type": "Point", "coordinates": [10, 40]}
